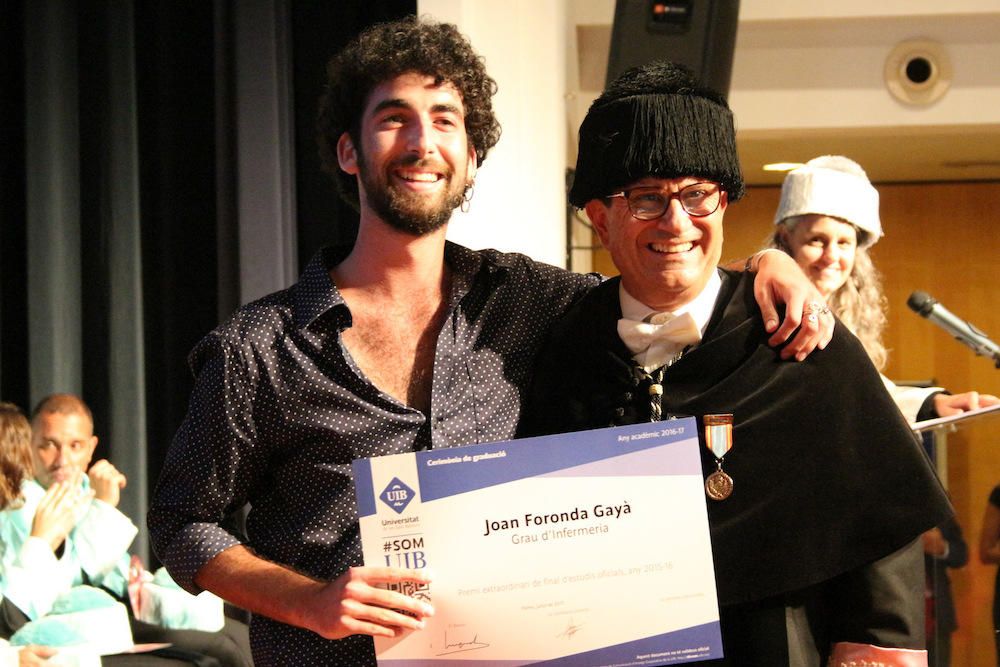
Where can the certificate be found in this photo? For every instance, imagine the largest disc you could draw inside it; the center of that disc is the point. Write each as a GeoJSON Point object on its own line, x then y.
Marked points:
{"type": "Point", "coordinates": [588, 549]}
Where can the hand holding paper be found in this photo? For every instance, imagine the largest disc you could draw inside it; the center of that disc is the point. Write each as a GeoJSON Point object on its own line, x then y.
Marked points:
{"type": "Point", "coordinates": [357, 602]}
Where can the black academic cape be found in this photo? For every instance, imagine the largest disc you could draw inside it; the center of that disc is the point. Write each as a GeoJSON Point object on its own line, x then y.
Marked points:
{"type": "Point", "coordinates": [828, 478]}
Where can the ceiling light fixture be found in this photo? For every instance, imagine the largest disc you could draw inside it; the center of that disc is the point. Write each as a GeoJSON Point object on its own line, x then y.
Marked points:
{"type": "Point", "coordinates": [782, 166]}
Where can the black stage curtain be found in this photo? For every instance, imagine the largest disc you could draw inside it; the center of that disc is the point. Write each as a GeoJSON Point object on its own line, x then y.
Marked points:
{"type": "Point", "coordinates": [187, 217]}
{"type": "Point", "coordinates": [13, 211]}
{"type": "Point", "coordinates": [321, 29]}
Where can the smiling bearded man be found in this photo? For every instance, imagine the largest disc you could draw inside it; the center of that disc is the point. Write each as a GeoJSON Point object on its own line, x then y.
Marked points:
{"type": "Point", "coordinates": [398, 192]}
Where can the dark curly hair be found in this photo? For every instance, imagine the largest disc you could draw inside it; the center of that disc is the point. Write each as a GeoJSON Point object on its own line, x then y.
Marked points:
{"type": "Point", "coordinates": [384, 52]}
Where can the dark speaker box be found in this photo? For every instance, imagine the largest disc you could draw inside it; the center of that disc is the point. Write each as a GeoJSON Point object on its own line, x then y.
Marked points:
{"type": "Point", "coordinates": [700, 34]}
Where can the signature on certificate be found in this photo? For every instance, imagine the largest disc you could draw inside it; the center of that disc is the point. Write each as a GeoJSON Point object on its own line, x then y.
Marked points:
{"type": "Point", "coordinates": [571, 629]}
{"type": "Point", "coordinates": [461, 646]}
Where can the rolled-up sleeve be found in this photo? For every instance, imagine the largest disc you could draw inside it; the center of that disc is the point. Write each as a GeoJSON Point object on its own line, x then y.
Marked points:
{"type": "Point", "coordinates": [210, 465]}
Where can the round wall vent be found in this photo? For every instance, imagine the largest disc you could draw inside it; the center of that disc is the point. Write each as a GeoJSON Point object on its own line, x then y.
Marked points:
{"type": "Point", "coordinates": [918, 72]}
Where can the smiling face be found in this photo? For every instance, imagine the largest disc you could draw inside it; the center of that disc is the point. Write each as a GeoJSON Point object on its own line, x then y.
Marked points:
{"type": "Point", "coordinates": [665, 263]}
{"type": "Point", "coordinates": [824, 248]}
{"type": "Point", "coordinates": [414, 160]}
{"type": "Point", "coordinates": [61, 444]}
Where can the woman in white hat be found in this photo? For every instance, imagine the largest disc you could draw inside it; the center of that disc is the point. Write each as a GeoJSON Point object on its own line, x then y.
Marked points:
{"type": "Point", "coordinates": [827, 220]}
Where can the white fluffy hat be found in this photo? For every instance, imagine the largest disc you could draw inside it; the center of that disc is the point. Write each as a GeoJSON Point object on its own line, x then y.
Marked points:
{"type": "Point", "coordinates": [835, 186]}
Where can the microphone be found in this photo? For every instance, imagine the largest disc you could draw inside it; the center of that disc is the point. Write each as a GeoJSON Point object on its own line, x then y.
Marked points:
{"type": "Point", "coordinates": [927, 306]}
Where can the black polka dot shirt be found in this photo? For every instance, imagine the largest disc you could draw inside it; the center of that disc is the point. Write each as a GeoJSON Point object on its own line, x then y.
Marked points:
{"type": "Point", "coordinates": [279, 411]}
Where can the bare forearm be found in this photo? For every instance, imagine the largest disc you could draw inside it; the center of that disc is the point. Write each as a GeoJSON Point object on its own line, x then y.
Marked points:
{"type": "Point", "coordinates": [259, 586]}
{"type": "Point", "coordinates": [750, 263]}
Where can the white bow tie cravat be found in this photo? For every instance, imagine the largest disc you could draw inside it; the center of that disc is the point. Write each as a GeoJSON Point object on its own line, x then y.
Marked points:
{"type": "Point", "coordinates": [655, 342]}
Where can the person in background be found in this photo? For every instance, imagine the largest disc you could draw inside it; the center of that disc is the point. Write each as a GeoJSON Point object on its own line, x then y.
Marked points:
{"type": "Point", "coordinates": [28, 569]}
{"type": "Point", "coordinates": [989, 554]}
{"type": "Point", "coordinates": [827, 220]}
{"type": "Point", "coordinates": [944, 549]}
{"type": "Point", "coordinates": [817, 507]}
{"type": "Point", "coordinates": [66, 530]}
{"type": "Point", "coordinates": [15, 469]}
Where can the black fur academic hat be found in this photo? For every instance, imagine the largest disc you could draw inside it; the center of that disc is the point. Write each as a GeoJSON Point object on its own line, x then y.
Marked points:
{"type": "Point", "coordinates": [655, 120]}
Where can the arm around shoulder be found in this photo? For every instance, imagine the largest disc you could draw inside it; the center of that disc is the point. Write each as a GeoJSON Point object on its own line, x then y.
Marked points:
{"type": "Point", "coordinates": [779, 280]}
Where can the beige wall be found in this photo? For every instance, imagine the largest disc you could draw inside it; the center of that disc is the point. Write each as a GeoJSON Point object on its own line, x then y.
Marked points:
{"type": "Point", "coordinates": [523, 43]}
{"type": "Point", "coordinates": [942, 239]}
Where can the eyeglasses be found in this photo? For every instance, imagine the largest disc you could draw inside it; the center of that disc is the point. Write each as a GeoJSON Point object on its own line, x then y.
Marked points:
{"type": "Point", "coordinates": [649, 203]}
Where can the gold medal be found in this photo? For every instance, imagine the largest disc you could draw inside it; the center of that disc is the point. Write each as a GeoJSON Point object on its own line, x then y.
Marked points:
{"type": "Point", "coordinates": [718, 485]}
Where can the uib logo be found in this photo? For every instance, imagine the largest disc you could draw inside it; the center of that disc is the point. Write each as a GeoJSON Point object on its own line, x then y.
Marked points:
{"type": "Point", "coordinates": [397, 495]}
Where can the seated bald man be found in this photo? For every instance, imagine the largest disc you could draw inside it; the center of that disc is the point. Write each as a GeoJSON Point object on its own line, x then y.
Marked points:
{"type": "Point", "coordinates": [93, 547]}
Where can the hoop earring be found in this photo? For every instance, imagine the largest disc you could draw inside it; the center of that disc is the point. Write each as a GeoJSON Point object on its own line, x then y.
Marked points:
{"type": "Point", "coordinates": [470, 189]}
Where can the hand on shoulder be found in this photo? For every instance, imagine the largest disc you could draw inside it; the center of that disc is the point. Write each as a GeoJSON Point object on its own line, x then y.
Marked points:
{"type": "Point", "coordinates": [780, 281]}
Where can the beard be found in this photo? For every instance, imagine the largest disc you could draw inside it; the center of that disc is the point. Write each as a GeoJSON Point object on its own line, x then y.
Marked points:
{"type": "Point", "coordinates": [411, 212]}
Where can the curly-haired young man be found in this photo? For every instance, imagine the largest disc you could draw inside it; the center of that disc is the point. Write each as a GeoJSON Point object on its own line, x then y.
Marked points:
{"type": "Point", "coordinates": [435, 50]}
{"type": "Point", "coordinates": [402, 342]}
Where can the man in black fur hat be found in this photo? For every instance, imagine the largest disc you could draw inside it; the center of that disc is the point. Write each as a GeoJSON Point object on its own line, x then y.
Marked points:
{"type": "Point", "coordinates": [818, 493]}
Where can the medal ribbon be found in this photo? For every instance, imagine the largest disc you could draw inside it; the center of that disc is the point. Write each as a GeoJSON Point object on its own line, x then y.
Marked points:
{"type": "Point", "coordinates": [718, 434]}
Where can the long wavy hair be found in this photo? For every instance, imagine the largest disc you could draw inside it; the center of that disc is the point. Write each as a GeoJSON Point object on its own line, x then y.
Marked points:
{"type": "Point", "coordinates": [860, 302]}
{"type": "Point", "coordinates": [15, 454]}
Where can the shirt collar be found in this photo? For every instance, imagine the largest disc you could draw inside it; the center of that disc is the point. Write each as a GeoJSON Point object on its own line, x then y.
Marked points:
{"type": "Point", "coordinates": [701, 307]}
{"type": "Point", "coordinates": [316, 294]}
